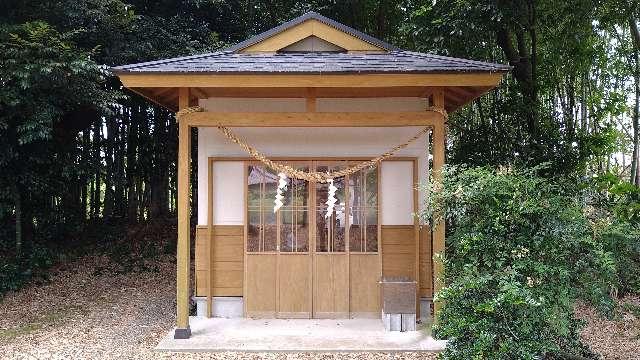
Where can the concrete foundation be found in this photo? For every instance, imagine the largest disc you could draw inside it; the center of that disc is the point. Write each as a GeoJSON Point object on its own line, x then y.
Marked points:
{"type": "Point", "coordinates": [425, 310]}
{"type": "Point", "coordinates": [229, 307]}
{"type": "Point", "coordinates": [217, 334]}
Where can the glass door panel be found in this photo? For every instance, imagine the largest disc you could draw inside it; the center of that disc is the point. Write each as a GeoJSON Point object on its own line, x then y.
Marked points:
{"type": "Point", "coordinates": [330, 231]}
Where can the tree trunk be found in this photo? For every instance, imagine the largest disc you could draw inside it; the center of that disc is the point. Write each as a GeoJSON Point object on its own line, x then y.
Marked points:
{"type": "Point", "coordinates": [109, 176]}
{"type": "Point", "coordinates": [96, 195]}
{"type": "Point", "coordinates": [17, 201]}
{"type": "Point", "coordinates": [132, 149]}
{"type": "Point", "coordinates": [635, 168]}
{"type": "Point", "coordinates": [159, 177]}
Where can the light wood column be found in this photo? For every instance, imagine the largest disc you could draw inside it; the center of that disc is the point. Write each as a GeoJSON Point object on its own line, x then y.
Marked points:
{"type": "Point", "coordinates": [438, 233]}
{"type": "Point", "coordinates": [183, 331]}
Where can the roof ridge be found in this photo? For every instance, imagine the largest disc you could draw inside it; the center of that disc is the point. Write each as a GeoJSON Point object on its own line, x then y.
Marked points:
{"type": "Point", "coordinates": [308, 16]}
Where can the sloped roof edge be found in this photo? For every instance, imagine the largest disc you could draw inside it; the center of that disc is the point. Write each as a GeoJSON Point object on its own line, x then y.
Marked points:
{"type": "Point", "coordinates": [311, 15]}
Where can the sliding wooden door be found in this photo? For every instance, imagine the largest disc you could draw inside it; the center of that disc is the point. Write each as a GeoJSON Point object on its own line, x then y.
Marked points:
{"type": "Point", "coordinates": [302, 262]}
{"type": "Point", "coordinates": [330, 258]}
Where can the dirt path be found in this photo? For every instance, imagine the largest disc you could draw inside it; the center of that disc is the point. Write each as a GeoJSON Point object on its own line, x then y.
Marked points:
{"type": "Point", "coordinates": [617, 338]}
{"type": "Point", "coordinates": [84, 314]}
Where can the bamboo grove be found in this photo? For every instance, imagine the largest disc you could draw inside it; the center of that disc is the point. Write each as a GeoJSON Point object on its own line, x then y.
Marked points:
{"type": "Point", "coordinates": [77, 149]}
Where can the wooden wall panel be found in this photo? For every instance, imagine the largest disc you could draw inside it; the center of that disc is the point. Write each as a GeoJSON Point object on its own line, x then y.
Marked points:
{"type": "Point", "coordinates": [398, 250]}
{"type": "Point", "coordinates": [398, 255]}
{"type": "Point", "coordinates": [260, 300]}
{"type": "Point", "coordinates": [364, 289]}
{"type": "Point", "coordinates": [426, 278]}
{"type": "Point", "coordinates": [294, 293]}
{"type": "Point", "coordinates": [228, 258]}
{"type": "Point", "coordinates": [331, 286]}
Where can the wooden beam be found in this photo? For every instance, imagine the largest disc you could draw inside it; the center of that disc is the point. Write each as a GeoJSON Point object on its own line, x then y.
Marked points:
{"type": "Point", "coordinates": [438, 234]}
{"type": "Point", "coordinates": [327, 92]}
{"type": "Point", "coordinates": [161, 92]}
{"type": "Point", "coordinates": [306, 81]}
{"type": "Point", "coordinates": [199, 93]}
{"type": "Point", "coordinates": [311, 100]}
{"type": "Point", "coordinates": [183, 256]}
{"type": "Point", "coordinates": [312, 119]}
{"type": "Point", "coordinates": [153, 99]}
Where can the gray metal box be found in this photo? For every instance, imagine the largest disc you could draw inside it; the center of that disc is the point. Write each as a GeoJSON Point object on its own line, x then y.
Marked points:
{"type": "Point", "coordinates": [398, 295]}
{"type": "Point", "coordinates": [398, 303]}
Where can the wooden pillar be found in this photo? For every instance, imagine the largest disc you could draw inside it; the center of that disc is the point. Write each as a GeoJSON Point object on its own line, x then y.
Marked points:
{"type": "Point", "coordinates": [210, 238]}
{"type": "Point", "coordinates": [439, 140]}
{"type": "Point", "coordinates": [183, 331]}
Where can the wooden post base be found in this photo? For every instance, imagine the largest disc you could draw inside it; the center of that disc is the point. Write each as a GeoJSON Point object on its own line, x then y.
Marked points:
{"type": "Point", "coordinates": [182, 333]}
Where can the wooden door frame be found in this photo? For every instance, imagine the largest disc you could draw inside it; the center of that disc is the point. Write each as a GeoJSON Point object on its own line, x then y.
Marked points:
{"type": "Point", "coordinates": [312, 236]}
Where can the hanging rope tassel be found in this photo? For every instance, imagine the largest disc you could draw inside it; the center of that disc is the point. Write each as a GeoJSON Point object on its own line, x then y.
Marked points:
{"type": "Point", "coordinates": [331, 199]}
{"type": "Point", "coordinates": [282, 187]}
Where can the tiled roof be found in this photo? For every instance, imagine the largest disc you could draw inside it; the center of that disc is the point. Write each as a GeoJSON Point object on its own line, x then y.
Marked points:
{"type": "Point", "coordinates": [233, 61]}
{"type": "Point", "coordinates": [312, 63]}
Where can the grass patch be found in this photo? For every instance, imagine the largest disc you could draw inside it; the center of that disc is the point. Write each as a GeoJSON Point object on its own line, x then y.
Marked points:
{"type": "Point", "coordinates": [53, 317]}
{"type": "Point", "coordinates": [632, 308]}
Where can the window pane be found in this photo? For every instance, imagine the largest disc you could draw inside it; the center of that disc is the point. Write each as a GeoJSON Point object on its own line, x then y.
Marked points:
{"type": "Point", "coordinates": [270, 237]}
{"type": "Point", "coordinates": [269, 192]}
{"type": "Point", "coordinates": [372, 230]}
{"type": "Point", "coordinates": [330, 232]}
{"type": "Point", "coordinates": [371, 188]}
{"type": "Point", "coordinates": [356, 232]}
{"type": "Point", "coordinates": [253, 231]}
{"type": "Point", "coordinates": [297, 192]}
{"type": "Point", "coordinates": [254, 183]}
{"type": "Point", "coordinates": [363, 196]}
{"type": "Point", "coordinates": [302, 230]}
{"type": "Point", "coordinates": [294, 231]}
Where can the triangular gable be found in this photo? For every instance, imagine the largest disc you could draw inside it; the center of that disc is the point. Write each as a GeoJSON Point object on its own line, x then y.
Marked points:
{"type": "Point", "coordinates": [312, 25]}
{"type": "Point", "coordinates": [312, 44]}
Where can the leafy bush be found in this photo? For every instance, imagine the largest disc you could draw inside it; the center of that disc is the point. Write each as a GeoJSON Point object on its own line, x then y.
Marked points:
{"type": "Point", "coordinates": [614, 207]}
{"type": "Point", "coordinates": [519, 252]}
{"type": "Point", "coordinates": [14, 274]}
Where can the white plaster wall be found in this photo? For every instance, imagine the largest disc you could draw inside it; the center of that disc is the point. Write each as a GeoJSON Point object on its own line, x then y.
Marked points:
{"type": "Point", "coordinates": [310, 142]}
{"type": "Point", "coordinates": [228, 190]}
{"type": "Point", "coordinates": [396, 193]}
{"type": "Point", "coordinates": [392, 104]}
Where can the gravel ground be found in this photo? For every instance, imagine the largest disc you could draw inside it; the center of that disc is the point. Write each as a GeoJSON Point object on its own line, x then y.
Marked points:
{"type": "Point", "coordinates": [84, 314]}
{"type": "Point", "coordinates": [617, 338]}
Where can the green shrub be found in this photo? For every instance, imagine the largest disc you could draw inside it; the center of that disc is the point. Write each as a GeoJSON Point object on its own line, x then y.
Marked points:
{"type": "Point", "coordinates": [614, 207]}
{"type": "Point", "coordinates": [519, 252]}
{"type": "Point", "coordinates": [14, 274]}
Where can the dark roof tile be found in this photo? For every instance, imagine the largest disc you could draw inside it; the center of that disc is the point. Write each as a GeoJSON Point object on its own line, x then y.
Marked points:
{"type": "Point", "coordinates": [391, 62]}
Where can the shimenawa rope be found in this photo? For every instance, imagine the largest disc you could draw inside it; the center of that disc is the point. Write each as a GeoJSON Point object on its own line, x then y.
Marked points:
{"type": "Point", "coordinates": [311, 175]}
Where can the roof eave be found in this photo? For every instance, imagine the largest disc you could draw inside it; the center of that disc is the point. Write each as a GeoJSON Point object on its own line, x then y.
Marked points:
{"type": "Point", "coordinates": [230, 73]}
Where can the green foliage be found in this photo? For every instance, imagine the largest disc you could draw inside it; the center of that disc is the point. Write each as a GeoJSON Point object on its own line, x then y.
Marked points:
{"type": "Point", "coordinates": [15, 273]}
{"type": "Point", "coordinates": [519, 253]}
{"type": "Point", "coordinates": [614, 208]}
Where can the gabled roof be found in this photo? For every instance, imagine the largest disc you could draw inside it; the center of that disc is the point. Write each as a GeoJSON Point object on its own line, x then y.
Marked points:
{"type": "Point", "coordinates": [312, 16]}
{"type": "Point", "coordinates": [312, 63]}
{"type": "Point", "coordinates": [311, 53]}
{"type": "Point", "coordinates": [234, 60]}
